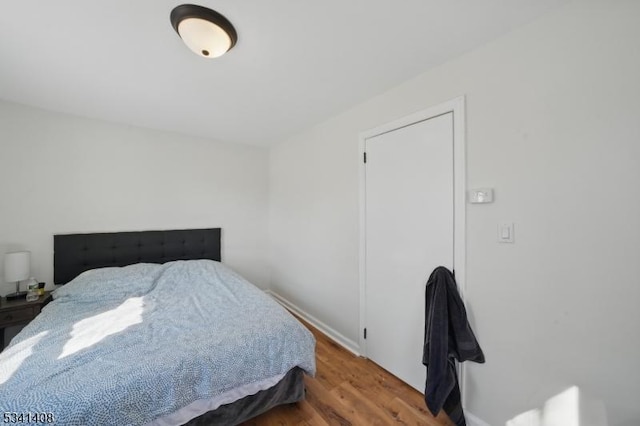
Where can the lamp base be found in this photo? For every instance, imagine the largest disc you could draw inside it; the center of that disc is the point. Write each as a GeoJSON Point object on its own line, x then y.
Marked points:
{"type": "Point", "coordinates": [17, 295]}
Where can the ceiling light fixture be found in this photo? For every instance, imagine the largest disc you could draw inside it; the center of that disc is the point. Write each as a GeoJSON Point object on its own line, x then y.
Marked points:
{"type": "Point", "coordinates": [206, 32]}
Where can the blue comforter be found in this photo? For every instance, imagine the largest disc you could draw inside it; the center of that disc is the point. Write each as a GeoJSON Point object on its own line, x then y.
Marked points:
{"type": "Point", "coordinates": [126, 346]}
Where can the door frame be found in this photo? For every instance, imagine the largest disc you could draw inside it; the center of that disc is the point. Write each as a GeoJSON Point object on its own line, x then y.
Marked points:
{"type": "Point", "coordinates": [457, 107]}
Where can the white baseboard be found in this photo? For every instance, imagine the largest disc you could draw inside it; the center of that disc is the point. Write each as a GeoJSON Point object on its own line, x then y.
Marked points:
{"type": "Point", "coordinates": [334, 335]}
{"type": "Point", "coordinates": [474, 420]}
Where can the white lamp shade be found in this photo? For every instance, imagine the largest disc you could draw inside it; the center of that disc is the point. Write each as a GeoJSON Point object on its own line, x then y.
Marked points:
{"type": "Point", "coordinates": [204, 38]}
{"type": "Point", "coordinates": [17, 266]}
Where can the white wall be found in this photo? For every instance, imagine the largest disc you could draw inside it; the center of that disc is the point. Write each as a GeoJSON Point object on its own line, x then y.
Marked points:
{"type": "Point", "coordinates": [553, 121]}
{"type": "Point", "coordinates": [65, 174]}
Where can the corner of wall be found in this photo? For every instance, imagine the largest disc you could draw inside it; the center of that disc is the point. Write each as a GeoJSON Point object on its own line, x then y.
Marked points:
{"type": "Point", "coordinates": [334, 335]}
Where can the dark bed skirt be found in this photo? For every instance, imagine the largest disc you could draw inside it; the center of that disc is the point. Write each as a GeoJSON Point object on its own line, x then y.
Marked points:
{"type": "Point", "coordinates": [288, 390]}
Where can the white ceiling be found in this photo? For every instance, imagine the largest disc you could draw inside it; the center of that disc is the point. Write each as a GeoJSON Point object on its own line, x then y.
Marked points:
{"type": "Point", "coordinates": [297, 62]}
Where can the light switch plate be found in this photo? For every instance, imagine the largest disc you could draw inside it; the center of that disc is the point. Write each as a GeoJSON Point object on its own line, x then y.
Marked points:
{"type": "Point", "coordinates": [505, 232]}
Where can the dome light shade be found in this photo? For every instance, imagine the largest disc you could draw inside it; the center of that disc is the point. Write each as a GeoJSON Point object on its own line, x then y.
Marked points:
{"type": "Point", "coordinates": [206, 32]}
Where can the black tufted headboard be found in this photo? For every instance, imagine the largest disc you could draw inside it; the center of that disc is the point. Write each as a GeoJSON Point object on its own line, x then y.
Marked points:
{"type": "Point", "coordinates": [76, 253]}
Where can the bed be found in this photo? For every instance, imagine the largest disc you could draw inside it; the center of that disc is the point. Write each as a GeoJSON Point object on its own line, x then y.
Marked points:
{"type": "Point", "coordinates": [151, 328]}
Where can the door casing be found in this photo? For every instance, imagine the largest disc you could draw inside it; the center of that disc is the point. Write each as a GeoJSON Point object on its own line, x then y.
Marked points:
{"type": "Point", "coordinates": [457, 107]}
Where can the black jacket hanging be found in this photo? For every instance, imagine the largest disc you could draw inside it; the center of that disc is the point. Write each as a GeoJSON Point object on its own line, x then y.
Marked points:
{"type": "Point", "coordinates": [447, 336]}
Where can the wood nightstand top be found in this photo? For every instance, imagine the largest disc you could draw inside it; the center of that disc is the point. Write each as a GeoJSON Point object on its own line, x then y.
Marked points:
{"type": "Point", "coordinates": [7, 305]}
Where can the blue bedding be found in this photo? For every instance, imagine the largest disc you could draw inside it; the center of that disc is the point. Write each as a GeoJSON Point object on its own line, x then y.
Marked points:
{"type": "Point", "coordinates": [127, 346]}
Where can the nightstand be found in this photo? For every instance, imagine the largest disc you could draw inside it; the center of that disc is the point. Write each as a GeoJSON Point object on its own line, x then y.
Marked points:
{"type": "Point", "coordinates": [17, 312]}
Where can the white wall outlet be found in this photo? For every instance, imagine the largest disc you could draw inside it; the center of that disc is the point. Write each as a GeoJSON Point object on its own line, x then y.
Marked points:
{"type": "Point", "coordinates": [481, 196]}
{"type": "Point", "coordinates": [505, 232]}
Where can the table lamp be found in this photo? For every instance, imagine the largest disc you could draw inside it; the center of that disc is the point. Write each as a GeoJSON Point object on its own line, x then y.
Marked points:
{"type": "Point", "coordinates": [17, 267]}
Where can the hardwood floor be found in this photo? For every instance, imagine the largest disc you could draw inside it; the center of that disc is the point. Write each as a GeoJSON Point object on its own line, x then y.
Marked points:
{"type": "Point", "coordinates": [349, 390]}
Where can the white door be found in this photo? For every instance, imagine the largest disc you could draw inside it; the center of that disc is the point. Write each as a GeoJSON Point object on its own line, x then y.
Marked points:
{"type": "Point", "coordinates": [409, 217]}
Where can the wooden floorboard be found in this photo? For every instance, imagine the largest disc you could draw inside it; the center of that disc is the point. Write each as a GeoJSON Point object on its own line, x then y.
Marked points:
{"type": "Point", "coordinates": [349, 390]}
